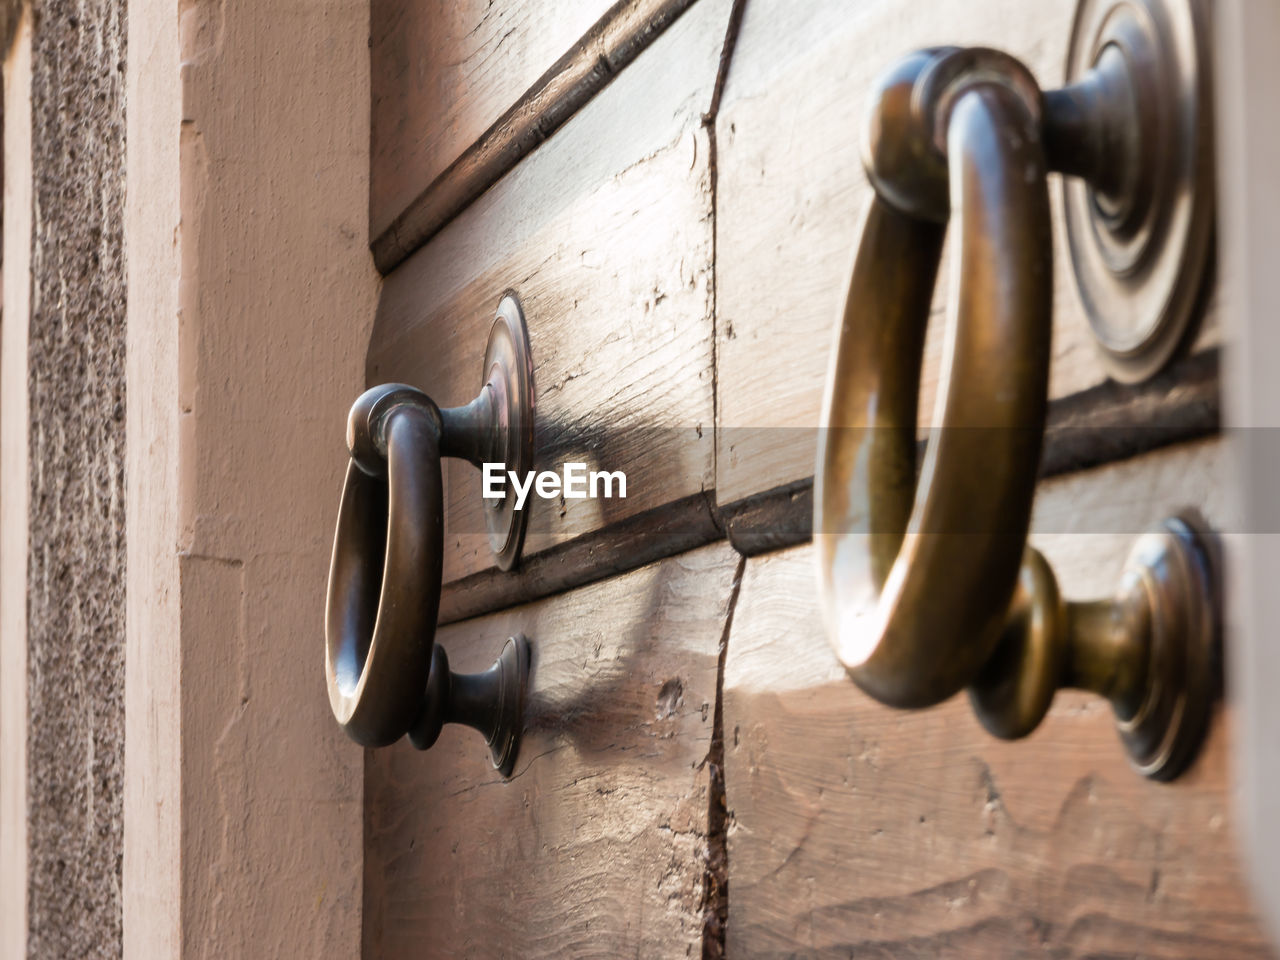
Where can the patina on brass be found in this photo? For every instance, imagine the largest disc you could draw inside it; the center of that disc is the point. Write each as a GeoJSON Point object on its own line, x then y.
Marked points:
{"type": "Point", "coordinates": [1135, 126]}
{"type": "Point", "coordinates": [1149, 650]}
{"type": "Point", "coordinates": [927, 584]}
{"type": "Point", "coordinates": [386, 675]}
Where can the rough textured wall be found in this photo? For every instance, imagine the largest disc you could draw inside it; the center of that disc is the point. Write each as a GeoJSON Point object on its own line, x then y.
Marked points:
{"type": "Point", "coordinates": [76, 561]}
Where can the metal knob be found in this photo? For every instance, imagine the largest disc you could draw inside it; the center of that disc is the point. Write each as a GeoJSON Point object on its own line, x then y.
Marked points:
{"type": "Point", "coordinates": [927, 585]}
{"type": "Point", "coordinates": [386, 675]}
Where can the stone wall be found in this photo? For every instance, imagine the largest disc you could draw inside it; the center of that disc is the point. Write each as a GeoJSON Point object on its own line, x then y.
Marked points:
{"type": "Point", "coordinates": [76, 568]}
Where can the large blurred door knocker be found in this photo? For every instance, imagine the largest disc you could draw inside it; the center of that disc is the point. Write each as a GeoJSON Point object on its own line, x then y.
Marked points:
{"type": "Point", "coordinates": [928, 586]}
{"type": "Point", "coordinates": [386, 675]}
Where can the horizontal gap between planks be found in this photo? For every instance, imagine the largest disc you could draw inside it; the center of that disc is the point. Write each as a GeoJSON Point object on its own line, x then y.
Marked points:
{"type": "Point", "coordinates": [1102, 425]}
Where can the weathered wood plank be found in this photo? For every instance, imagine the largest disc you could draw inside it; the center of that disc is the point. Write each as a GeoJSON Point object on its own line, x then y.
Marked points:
{"type": "Point", "coordinates": [597, 846]}
{"type": "Point", "coordinates": [605, 235]}
{"type": "Point", "coordinates": [859, 830]}
{"type": "Point", "coordinates": [443, 73]}
{"type": "Point", "coordinates": [463, 91]}
{"type": "Point", "coordinates": [790, 196]}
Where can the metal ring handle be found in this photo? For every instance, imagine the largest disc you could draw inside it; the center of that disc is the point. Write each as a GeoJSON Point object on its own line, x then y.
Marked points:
{"type": "Point", "coordinates": [937, 562]}
{"type": "Point", "coordinates": [928, 586]}
{"type": "Point", "coordinates": [385, 577]}
{"type": "Point", "coordinates": [386, 675]}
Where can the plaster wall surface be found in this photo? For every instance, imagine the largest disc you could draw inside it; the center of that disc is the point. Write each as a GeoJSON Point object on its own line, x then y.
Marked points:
{"type": "Point", "coordinates": [152, 812]}
{"type": "Point", "coordinates": [251, 296]}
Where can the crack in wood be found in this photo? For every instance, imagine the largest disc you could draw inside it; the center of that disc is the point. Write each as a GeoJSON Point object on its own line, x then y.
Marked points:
{"type": "Point", "coordinates": [715, 886]}
{"type": "Point", "coordinates": [709, 124]}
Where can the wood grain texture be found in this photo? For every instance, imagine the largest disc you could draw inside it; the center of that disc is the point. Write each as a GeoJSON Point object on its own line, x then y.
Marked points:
{"type": "Point", "coordinates": [790, 196]}
{"type": "Point", "coordinates": [597, 845]}
{"type": "Point", "coordinates": [463, 91]}
{"type": "Point", "coordinates": [443, 73]}
{"type": "Point", "coordinates": [857, 830]}
{"type": "Point", "coordinates": [605, 236]}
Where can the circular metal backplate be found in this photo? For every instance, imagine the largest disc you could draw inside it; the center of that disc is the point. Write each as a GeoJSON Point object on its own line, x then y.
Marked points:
{"type": "Point", "coordinates": [1175, 568]}
{"type": "Point", "coordinates": [1140, 284]}
{"type": "Point", "coordinates": [513, 670]}
{"type": "Point", "coordinates": [508, 372]}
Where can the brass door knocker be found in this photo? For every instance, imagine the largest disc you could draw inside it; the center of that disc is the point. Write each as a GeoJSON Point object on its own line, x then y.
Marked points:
{"type": "Point", "coordinates": [386, 675]}
{"type": "Point", "coordinates": [928, 585]}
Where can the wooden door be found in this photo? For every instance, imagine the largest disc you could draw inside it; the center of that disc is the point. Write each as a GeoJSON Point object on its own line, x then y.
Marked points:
{"type": "Point", "coordinates": [673, 190]}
